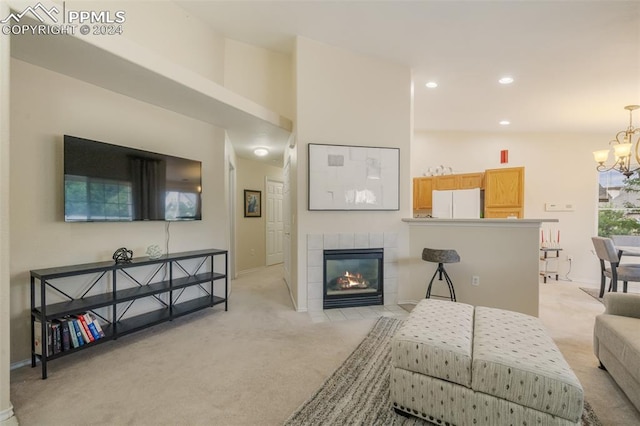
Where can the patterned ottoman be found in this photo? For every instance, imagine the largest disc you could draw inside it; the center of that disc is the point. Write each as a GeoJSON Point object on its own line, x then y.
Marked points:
{"type": "Point", "coordinates": [453, 364]}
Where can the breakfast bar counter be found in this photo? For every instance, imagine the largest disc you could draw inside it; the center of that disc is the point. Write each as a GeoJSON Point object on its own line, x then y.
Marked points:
{"type": "Point", "coordinates": [502, 254]}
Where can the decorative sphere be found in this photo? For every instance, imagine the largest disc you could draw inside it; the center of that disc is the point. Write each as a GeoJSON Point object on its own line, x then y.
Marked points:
{"type": "Point", "coordinates": [154, 251]}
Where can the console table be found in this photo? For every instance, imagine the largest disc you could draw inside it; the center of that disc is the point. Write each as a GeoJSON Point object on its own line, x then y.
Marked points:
{"type": "Point", "coordinates": [108, 290]}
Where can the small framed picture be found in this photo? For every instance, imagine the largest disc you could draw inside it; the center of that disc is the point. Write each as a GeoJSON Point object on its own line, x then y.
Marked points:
{"type": "Point", "coordinates": [252, 203]}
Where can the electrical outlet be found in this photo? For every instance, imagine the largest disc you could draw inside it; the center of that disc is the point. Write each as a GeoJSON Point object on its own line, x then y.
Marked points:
{"type": "Point", "coordinates": [253, 252]}
{"type": "Point", "coordinates": [475, 280]}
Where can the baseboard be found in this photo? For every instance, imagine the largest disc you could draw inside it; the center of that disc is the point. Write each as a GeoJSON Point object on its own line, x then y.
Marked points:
{"type": "Point", "coordinates": [248, 271]}
{"type": "Point", "coordinates": [8, 418]}
{"type": "Point", "coordinates": [20, 364]}
{"type": "Point", "coordinates": [293, 300]}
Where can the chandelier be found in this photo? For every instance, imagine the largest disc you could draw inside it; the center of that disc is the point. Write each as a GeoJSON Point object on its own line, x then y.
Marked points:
{"type": "Point", "coordinates": [621, 145]}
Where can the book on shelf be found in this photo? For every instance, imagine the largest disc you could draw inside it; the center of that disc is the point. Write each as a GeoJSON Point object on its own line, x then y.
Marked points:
{"type": "Point", "coordinates": [56, 341]}
{"type": "Point", "coordinates": [66, 335]}
{"type": "Point", "coordinates": [38, 341]}
{"type": "Point", "coordinates": [84, 329]}
{"type": "Point", "coordinates": [92, 327]}
{"type": "Point", "coordinates": [96, 323]}
{"type": "Point", "coordinates": [77, 327]}
{"type": "Point", "coordinates": [72, 333]}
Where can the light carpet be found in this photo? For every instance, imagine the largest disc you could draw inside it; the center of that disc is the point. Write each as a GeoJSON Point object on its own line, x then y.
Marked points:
{"type": "Point", "coordinates": [357, 393]}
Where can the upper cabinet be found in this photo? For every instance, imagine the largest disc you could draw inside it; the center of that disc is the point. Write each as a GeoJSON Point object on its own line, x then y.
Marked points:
{"type": "Point", "coordinates": [504, 192]}
{"type": "Point", "coordinates": [422, 189]}
{"type": "Point", "coordinates": [445, 182]}
{"type": "Point", "coordinates": [470, 181]}
{"type": "Point", "coordinates": [459, 181]}
{"type": "Point", "coordinates": [423, 186]}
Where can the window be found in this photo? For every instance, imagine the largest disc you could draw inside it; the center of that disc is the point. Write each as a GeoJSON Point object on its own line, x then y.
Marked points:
{"type": "Point", "coordinates": [88, 198]}
{"type": "Point", "coordinates": [618, 204]}
{"type": "Point", "coordinates": [181, 205]}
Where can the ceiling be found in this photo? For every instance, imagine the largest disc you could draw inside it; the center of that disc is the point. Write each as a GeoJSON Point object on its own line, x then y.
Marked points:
{"type": "Point", "coordinates": [576, 64]}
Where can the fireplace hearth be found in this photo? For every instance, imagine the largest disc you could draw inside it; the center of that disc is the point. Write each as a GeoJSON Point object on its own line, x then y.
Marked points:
{"type": "Point", "coordinates": [353, 277]}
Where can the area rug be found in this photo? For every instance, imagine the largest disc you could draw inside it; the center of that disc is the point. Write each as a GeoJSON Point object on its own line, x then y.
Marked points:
{"type": "Point", "coordinates": [357, 393]}
{"type": "Point", "coordinates": [595, 292]}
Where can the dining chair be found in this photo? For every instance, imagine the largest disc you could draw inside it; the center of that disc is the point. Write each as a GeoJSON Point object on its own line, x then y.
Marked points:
{"type": "Point", "coordinates": [628, 241]}
{"type": "Point", "coordinates": [607, 253]}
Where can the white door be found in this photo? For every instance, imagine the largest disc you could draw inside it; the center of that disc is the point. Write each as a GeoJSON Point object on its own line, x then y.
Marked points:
{"type": "Point", "coordinates": [275, 223]}
{"type": "Point", "coordinates": [286, 195]}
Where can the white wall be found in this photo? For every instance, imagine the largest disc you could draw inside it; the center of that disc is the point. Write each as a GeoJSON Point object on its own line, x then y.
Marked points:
{"type": "Point", "coordinates": [558, 168]}
{"type": "Point", "coordinates": [345, 98]}
{"type": "Point", "coordinates": [6, 409]}
{"type": "Point", "coordinates": [49, 105]}
{"type": "Point", "coordinates": [261, 75]}
{"type": "Point", "coordinates": [168, 30]}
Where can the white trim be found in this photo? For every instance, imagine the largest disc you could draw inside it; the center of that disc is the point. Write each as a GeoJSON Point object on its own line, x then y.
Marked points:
{"type": "Point", "coordinates": [7, 417]}
{"type": "Point", "coordinates": [408, 302]}
{"type": "Point", "coordinates": [20, 364]}
{"type": "Point", "coordinates": [248, 271]}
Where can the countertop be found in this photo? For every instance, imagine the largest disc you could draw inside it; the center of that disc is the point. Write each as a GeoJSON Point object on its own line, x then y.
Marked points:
{"type": "Point", "coordinates": [477, 222]}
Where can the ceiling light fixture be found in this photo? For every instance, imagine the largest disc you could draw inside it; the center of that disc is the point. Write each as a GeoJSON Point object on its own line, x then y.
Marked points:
{"type": "Point", "coordinates": [505, 122]}
{"type": "Point", "coordinates": [261, 152]}
{"type": "Point", "coordinates": [506, 80]}
{"type": "Point", "coordinates": [432, 85]}
{"type": "Point", "coordinates": [622, 145]}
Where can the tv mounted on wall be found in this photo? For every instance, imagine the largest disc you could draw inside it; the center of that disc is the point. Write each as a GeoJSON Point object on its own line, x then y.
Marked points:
{"type": "Point", "coordinates": [111, 183]}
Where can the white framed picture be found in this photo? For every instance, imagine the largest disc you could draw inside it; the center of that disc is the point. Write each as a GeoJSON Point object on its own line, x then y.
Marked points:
{"type": "Point", "coordinates": [344, 177]}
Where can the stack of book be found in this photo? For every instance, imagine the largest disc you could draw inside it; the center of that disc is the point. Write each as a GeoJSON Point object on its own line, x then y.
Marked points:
{"type": "Point", "coordinates": [66, 333]}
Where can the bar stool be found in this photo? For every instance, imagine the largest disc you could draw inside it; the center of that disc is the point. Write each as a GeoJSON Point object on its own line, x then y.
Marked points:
{"type": "Point", "coordinates": [441, 257]}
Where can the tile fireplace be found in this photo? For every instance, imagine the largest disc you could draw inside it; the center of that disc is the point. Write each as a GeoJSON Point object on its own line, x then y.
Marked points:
{"type": "Point", "coordinates": [318, 243]}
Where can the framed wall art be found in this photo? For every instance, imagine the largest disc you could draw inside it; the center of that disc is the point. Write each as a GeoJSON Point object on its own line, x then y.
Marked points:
{"type": "Point", "coordinates": [252, 203]}
{"type": "Point", "coordinates": [343, 177]}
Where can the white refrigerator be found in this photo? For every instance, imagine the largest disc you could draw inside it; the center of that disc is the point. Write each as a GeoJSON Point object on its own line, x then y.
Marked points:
{"type": "Point", "coordinates": [456, 204]}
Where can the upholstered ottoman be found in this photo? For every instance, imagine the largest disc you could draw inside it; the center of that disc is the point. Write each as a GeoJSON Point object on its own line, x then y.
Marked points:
{"type": "Point", "coordinates": [454, 364]}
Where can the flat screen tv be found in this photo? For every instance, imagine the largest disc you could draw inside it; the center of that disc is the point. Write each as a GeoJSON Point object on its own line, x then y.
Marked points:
{"type": "Point", "coordinates": [111, 183]}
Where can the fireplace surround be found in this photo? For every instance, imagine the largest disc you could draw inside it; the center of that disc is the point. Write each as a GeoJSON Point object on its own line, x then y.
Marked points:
{"type": "Point", "coordinates": [317, 243]}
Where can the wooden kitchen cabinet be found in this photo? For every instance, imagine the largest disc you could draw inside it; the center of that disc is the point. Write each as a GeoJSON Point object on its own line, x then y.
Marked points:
{"type": "Point", "coordinates": [459, 181]}
{"type": "Point", "coordinates": [446, 182]}
{"type": "Point", "coordinates": [422, 189]}
{"type": "Point", "coordinates": [470, 180]}
{"type": "Point", "coordinates": [504, 192]}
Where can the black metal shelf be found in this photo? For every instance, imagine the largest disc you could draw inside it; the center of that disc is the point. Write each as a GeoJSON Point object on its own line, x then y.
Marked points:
{"type": "Point", "coordinates": [195, 279]}
{"type": "Point", "coordinates": [139, 322]}
{"type": "Point", "coordinates": [193, 305]}
{"type": "Point", "coordinates": [117, 327]}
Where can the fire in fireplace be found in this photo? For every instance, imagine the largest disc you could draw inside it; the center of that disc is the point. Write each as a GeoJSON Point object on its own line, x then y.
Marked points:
{"type": "Point", "coordinates": [353, 277]}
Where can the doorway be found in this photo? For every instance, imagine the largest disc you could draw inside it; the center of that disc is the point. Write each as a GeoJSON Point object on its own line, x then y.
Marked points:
{"type": "Point", "coordinates": [275, 222]}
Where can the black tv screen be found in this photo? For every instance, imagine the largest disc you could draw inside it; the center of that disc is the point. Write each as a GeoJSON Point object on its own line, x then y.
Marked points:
{"type": "Point", "coordinates": [111, 183]}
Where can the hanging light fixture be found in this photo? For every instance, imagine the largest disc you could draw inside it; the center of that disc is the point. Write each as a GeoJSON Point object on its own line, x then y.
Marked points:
{"type": "Point", "coordinates": [622, 145]}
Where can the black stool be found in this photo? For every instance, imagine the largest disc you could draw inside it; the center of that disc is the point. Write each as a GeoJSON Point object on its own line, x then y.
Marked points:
{"type": "Point", "coordinates": [441, 257]}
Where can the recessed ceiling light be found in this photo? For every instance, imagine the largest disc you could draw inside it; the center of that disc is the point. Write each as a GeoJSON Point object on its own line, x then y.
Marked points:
{"type": "Point", "coordinates": [505, 122]}
{"type": "Point", "coordinates": [506, 80]}
{"type": "Point", "coordinates": [261, 152]}
{"type": "Point", "coordinates": [432, 85]}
